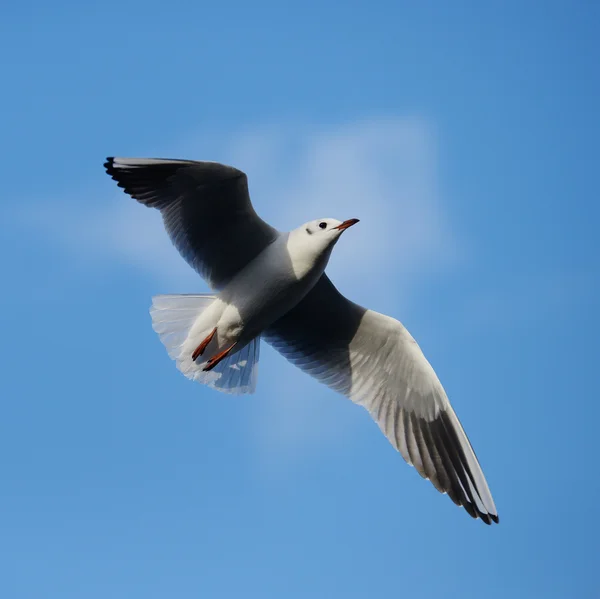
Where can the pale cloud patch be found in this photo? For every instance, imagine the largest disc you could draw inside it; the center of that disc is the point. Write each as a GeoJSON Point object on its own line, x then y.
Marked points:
{"type": "Point", "coordinates": [384, 173]}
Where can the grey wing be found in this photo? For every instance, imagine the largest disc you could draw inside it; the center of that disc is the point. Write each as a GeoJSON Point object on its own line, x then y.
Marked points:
{"type": "Point", "coordinates": [373, 359]}
{"type": "Point", "coordinates": [206, 210]}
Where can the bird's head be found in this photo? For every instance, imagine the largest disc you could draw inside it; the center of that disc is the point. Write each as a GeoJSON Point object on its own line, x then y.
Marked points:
{"type": "Point", "coordinates": [324, 232]}
{"type": "Point", "coordinates": [310, 245]}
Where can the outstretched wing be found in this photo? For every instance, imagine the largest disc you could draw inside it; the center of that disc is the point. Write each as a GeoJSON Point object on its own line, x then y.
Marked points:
{"type": "Point", "coordinates": [206, 210]}
{"type": "Point", "coordinates": [373, 359]}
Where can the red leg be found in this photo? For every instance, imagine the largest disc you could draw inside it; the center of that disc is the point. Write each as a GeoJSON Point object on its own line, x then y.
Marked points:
{"type": "Point", "coordinates": [200, 349]}
{"type": "Point", "coordinates": [216, 359]}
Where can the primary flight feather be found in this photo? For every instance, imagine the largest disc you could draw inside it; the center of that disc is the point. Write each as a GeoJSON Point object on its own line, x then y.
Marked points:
{"type": "Point", "coordinates": [273, 285]}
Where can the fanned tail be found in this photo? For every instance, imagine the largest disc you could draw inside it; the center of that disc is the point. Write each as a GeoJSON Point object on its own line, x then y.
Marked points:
{"type": "Point", "coordinates": [176, 319]}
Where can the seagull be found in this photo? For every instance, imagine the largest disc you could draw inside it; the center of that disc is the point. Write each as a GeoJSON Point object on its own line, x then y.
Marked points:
{"type": "Point", "coordinates": [272, 285]}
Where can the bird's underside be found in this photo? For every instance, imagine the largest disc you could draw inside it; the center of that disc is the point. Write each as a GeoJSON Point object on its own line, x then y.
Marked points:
{"type": "Point", "coordinates": [369, 357]}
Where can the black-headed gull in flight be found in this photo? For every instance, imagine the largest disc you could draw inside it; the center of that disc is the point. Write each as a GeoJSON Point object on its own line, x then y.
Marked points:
{"type": "Point", "coordinates": [273, 285]}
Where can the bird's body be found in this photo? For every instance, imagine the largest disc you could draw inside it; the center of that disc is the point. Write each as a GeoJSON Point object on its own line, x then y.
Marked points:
{"type": "Point", "coordinates": [273, 285]}
{"type": "Point", "coordinates": [268, 287]}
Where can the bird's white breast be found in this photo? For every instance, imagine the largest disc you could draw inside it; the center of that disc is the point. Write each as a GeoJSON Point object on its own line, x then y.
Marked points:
{"type": "Point", "coordinates": [269, 286]}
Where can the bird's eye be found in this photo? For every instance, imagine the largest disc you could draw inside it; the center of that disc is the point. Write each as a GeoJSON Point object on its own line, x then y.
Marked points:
{"type": "Point", "coordinates": [322, 225]}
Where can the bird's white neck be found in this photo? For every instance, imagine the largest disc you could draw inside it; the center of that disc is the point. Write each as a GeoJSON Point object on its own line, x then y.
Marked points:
{"type": "Point", "coordinates": [307, 259]}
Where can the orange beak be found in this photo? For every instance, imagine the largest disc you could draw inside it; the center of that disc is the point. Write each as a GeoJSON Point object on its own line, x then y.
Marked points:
{"type": "Point", "coordinates": [346, 224]}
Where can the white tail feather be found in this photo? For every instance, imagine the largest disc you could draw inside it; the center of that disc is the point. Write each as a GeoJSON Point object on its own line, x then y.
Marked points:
{"type": "Point", "coordinates": [174, 316]}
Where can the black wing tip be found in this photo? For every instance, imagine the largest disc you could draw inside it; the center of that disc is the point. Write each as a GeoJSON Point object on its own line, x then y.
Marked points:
{"type": "Point", "coordinates": [486, 518]}
{"type": "Point", "coordinates": [109, 166]}
{"type": "Point", "coordinates": [121, 175]}
{"type": "Point", "coordinates": [112, 171]}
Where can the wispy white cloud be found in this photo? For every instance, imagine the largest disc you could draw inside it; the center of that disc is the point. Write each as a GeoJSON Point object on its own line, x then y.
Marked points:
{"type": "Point", "coordinates": [382, 171]}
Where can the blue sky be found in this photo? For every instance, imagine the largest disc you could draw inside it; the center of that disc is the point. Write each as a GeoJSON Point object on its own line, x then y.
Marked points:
{"type": "Point", "coordinates": [465, 138]}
